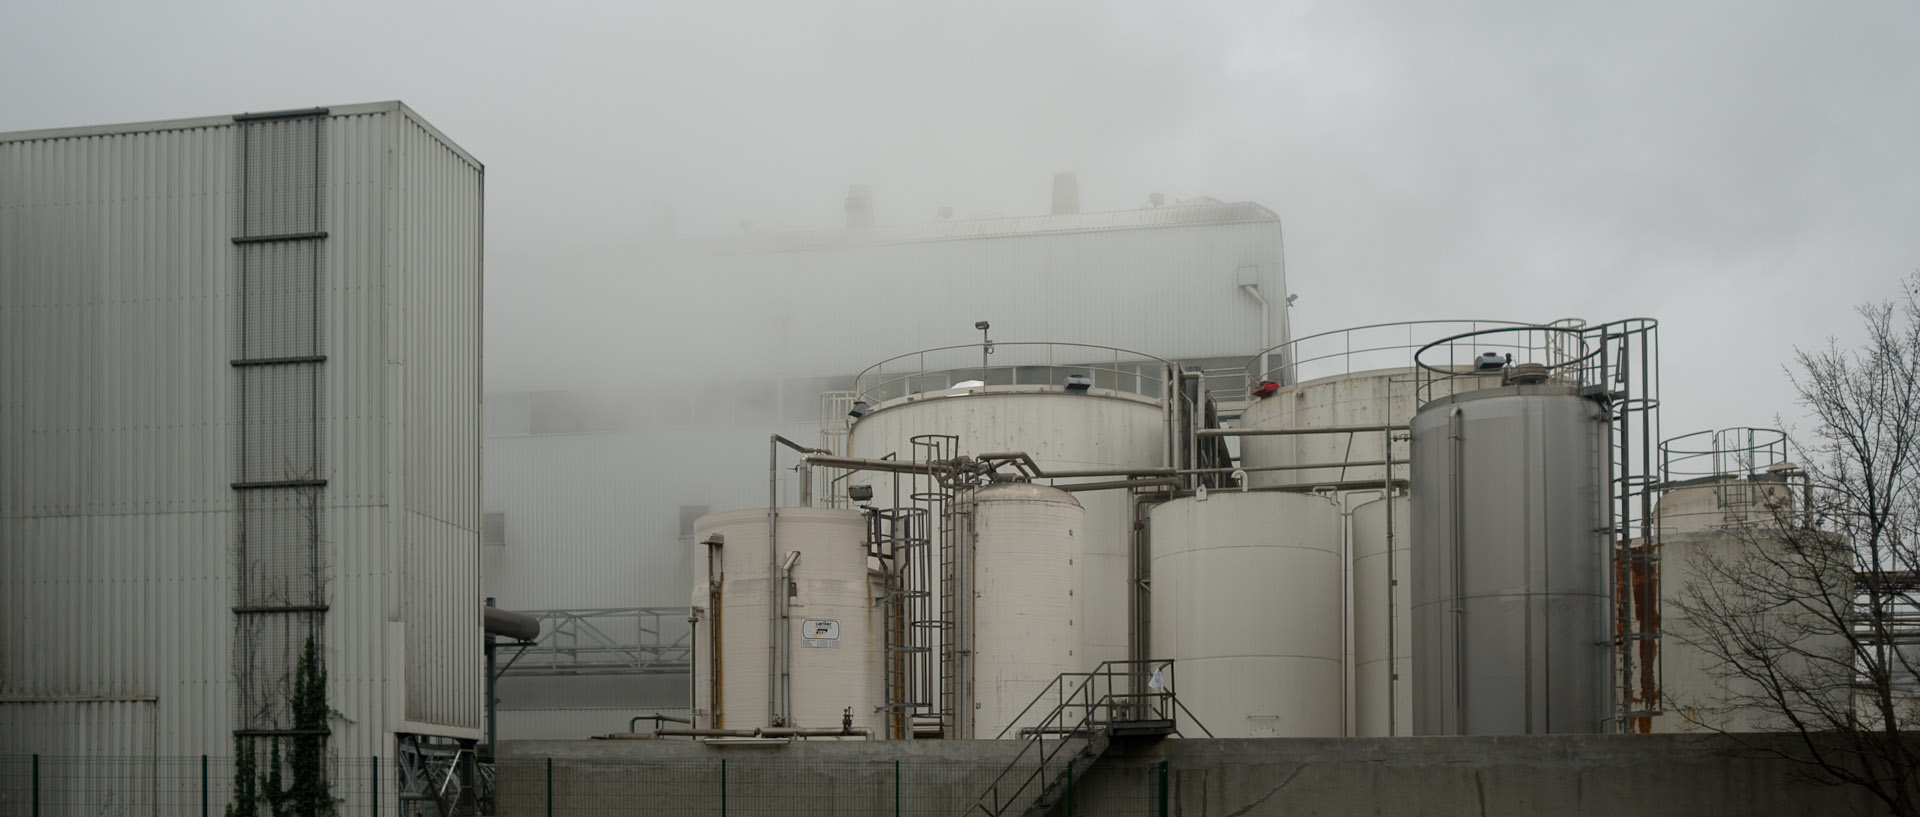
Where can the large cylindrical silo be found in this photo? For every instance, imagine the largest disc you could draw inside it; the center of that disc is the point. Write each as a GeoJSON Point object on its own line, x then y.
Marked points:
{"type": "Point", "coordinates": [821, 662]}
{"type": "Point", "coordinates": [1510, 595]}
{"type": "Point", "coordinates": [1247, 600]}
{"type": "Point", "coordinates": [1061, 429]}
{"type": "Point", "coordinates": [1382, 648]}
{"type": "Point", "coordinates": [1028, 542]}
{"type": "Point", "coordinates": [1382, 397]}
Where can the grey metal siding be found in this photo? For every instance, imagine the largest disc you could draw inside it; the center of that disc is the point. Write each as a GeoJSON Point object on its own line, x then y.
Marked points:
{"type": "Point", "coordinates": [116, 447]}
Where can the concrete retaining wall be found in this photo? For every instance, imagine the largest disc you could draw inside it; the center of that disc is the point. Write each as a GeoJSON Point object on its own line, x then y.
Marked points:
{"type": "Point", "coordinates": [1651, 775]}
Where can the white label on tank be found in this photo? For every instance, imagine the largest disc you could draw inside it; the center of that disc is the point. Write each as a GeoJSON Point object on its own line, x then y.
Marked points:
{"type": "Point", "coordinates": [820, 632]}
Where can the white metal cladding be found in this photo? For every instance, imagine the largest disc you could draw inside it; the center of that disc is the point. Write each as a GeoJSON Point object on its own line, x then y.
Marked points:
{"type": "Point", "coordinates": [116, 517]}
{"type": "Point", "coordinates": [1248, 599]}
{"type": "Point", "coordinates": [1060, 430]}
{"type": "Point", "coordinates": [829, 584]}
{"type": "Point", "coordinates": [1028, 600]}
{"type": "Point", "coordinates": [1382, 706]}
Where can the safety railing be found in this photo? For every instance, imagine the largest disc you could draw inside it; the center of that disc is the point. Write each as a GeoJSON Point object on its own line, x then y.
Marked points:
{"type": "Point", "coordinates": [1012, 363]}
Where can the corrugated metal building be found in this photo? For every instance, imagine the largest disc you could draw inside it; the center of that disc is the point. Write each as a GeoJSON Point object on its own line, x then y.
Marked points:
{"type": "Point", "coordinates": [239, 407]}
{"type": "Point", "coordinates": [596, 482]}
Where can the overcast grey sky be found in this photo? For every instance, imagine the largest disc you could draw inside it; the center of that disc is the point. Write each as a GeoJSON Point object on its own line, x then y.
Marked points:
{"type": "Point", "coordinates": [1744, 171]}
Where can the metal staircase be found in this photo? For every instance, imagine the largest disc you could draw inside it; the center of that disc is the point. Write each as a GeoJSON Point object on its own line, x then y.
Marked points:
{"type": "Point", "coordinates": [1089, 710]}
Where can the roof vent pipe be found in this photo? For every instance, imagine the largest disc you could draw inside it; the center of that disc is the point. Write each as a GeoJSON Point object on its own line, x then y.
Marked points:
{"type": "Point", "coordinates": [859, 206]}
{"type": "Point", "coordinates": [1066, 194]}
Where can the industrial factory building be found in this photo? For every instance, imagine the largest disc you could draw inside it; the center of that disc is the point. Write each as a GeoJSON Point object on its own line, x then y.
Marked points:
{"type": "Point", "coordinates": [239, 440]}
{"type": "Point", "coordinates": [1000, 499]}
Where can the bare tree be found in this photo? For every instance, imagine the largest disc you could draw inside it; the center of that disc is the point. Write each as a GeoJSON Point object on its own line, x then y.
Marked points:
{"type": "Point", "coordinates": [1813, 617]}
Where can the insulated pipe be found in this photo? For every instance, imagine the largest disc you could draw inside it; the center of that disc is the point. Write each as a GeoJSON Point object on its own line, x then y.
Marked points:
{"type": "Point", "coordinates": [633, 725]}
{"type": "Point", "coordinates": [1125, 483]}
{"type": "Point", "coordinates": [705, 733]}
{"type": "Point", "coordinates": [517, 626]}
{"type": "Point", "coordinates": [774, 591]}
{"type": "Point", "coordinates": [1266, 325]}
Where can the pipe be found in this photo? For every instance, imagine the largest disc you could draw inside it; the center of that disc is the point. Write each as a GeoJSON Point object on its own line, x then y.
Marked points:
{"type": "Point", "coordinates": [1266, 326]}
{"type": "Point", "coordinates": [517, 626]}
{"type": "Point", "coordinates": [705, 733]}
{"type": "Point", "coordinates": [1456, 436]}
{"type": "Point", "coordinates": [791, 732]}
{"type": "Point", "coordinates": [786, 633]}
{"type": "Point", "coordinates": [1269, 432]}
{"type": "Point", "coordinates": [773, 589]}
{"type": "Point", "coordinates": [1125, 483]}
{"type": "Point", "coordinates": [633, 724]}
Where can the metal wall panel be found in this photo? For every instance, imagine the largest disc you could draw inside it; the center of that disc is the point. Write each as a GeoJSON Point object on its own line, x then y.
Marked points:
{"type": "Point", "coordinates": [116, 515]}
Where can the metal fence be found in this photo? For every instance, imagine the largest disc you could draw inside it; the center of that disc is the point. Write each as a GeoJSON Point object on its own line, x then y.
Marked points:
{"type": "Point", "coordinates": [45, 785]}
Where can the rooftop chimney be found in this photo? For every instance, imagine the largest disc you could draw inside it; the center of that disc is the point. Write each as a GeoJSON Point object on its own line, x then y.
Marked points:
{"type": "Point", "coordinates": [859, 206]}
{"type": "Point", "coordinates": [1066, 194]}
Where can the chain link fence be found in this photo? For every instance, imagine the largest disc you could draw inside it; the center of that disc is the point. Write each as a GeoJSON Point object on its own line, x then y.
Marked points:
{"type": "Point", "coordinates": [46, 785]}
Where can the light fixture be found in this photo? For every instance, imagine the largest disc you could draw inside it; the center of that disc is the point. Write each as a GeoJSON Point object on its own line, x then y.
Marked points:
{"type": "Point", "coordinates": [1079, 382]}
{"type": "Point", "coordinates": [859, 409]}
{"type": "Point", "coordinates": [1491, 362]}
{"type": "Point", "coordinates": [716, 540]}
{"type": "Point", "coordinates": [860, 493]}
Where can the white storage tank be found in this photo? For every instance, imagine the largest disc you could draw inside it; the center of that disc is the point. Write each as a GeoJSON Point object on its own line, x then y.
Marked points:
{"type": "Point", "coordinates": [1382, 649]}
{"type": "Point", "coordinates": [829, 652]}
{"type": "Point", "coordinates": [1371, 398]}
{"type": "Point", "coordinates": [1247, 600]}
{"type": "Point", "coordinates": [1027, 618]}
{"type": "Point", "coordinates": [1061, 429]}
{"type": "Point", "coordinates": [1510, 596]}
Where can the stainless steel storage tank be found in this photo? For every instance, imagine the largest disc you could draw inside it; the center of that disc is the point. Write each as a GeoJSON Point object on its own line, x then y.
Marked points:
{"type": "Point", "coordinates": [1100, 428]}
{"type": "Point", "coordinates": [1382, 646]}
{"type": "Point", "coordinates": [1247, 599]}
{"type": "Point", "coordinates": [1028, 545]}
{"type": "Point", "coordinates": [1509, 595]}
{"type": "Point", "coordinates": [824, 660]}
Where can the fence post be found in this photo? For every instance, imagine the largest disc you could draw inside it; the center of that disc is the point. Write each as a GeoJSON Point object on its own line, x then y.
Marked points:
{"type": "Point", "coordinates": [36, 785]}
{"type": "Point", "coordinates": [549, 787]}
{"type": "Point", "coordinates": [1163, 788]}
{"type": "Point", "coordinates": [896, 788]}
{"type": "Point", "coordinates": [723, 787]}
{"type": "Point", "coordinates": [375, 764]}
{"type": "Point", "coordinates": [203, 786]}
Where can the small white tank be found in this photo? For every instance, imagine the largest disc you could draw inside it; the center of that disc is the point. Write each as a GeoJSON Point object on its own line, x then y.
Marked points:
{"type": "Point", "coordinates": [1382, 706]}
{"type": "Point", "coordinates": [1248, 601]}
{"type": "Point", "coordinates": [831, 652]}
{"type": "Point", "coordinates": [1028, 614]}
{"type": "Point", "coordinates": [1098, 429]}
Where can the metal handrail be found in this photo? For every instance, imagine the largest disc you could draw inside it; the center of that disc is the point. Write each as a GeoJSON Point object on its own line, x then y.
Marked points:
{"type": "Point", "coordinates": [1388, 351]}
{"type": "Point", "coordinates": [1054, 722]}
{"type": "Point", "coordinates": [1127, 371]}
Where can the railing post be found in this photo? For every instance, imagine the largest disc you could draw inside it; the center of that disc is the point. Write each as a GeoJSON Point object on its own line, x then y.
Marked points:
{"type": "Point", "coordinates": [723, 788]}
{"type": "Point", "coordinates": [373, 765]}
{"type": "Point", "coordinates": [896, 788]}
{"type": "Point", "coordinates": [1069, 787]}
{"type": "Point", "coordinates": [36, 785]}
{"type": "Point", "coordinates": [1163, 788]}
{"type": "Point", "coordinates": [203, 786]}
{"type": "Point", "coordinates": [550, 786]}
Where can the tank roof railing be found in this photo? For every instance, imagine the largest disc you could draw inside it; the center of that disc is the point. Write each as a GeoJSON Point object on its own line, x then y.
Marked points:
{"type": "Point", "coordinates": [1564, 351]}
{"type": "Point", "coordinates": [1740, 451]}
{"type": "Point", "coordinates": [1359, 349]}
{"type": "Point", "coordinates": [1012, 363]}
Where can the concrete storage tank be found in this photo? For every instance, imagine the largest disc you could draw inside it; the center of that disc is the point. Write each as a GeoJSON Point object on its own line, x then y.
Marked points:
{"type": "Point", "coordinates": [825, 655]}
{"type": "Point", "coordinates": [1382, 648]}
{"type": "Point", "coordinates": [1509, 595]}
{"type": "Point", "coordinates": [1118, 423]}
{"type": "Point", "coordinates": [1247, 599]}
{"type": "Point", "coordinates": [1027, 616]}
